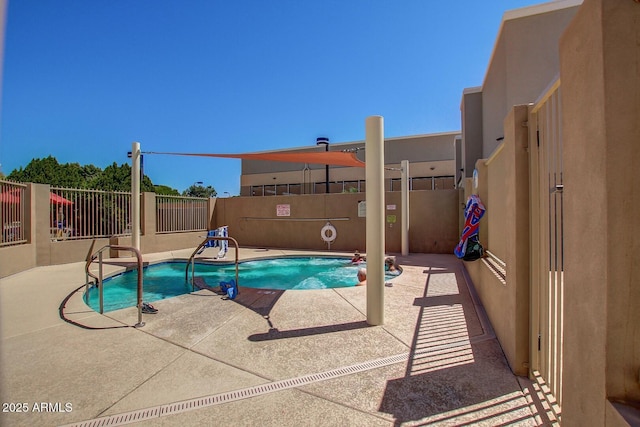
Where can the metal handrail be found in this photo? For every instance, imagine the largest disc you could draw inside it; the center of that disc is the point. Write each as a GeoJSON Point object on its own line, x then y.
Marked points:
{"type": "Point", "coordinates": [98, 254]}
{"type": "Point", "coordinates": [191, 262]}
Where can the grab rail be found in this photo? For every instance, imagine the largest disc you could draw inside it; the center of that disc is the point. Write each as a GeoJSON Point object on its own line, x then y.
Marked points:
{"type": "Point", "coordinates": [191, 261]}
{"type": "Point", "coordinates": [98, 255]}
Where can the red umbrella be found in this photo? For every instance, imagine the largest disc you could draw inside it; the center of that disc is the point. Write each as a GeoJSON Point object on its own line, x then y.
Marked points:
{"type": "Point", "coordinates": [59, 200]}
{"type": "Point", "coordinates": [10, 197]}
{"type": "Point", "coordinates": [13, 197]}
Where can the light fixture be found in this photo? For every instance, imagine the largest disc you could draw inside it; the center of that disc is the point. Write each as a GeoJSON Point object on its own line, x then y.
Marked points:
{"type": "Point", "coordinates": [325, 141]}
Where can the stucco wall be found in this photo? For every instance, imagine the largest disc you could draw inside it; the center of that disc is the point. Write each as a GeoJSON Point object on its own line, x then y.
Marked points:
{"type": "Point", "coordinates": [525, 60]}
{"type": "Point", "coordinates": [14, 259]}
{"type": "Point", "coordinates": [253, 221]}
{"type": "Point", "coordinates": [600, 75]}
{"type": "Point", "coordinates": [504, 230]}
{"type": "Point", "coordinates": [471, 114]}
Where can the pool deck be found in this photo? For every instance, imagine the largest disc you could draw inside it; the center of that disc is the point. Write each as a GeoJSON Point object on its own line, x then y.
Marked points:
{"type": "Point", "coordinates": [267, 358]}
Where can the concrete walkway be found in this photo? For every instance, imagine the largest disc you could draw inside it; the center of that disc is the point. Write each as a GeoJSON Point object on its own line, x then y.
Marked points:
{"type": "Point", "coordinates": [267, 358]}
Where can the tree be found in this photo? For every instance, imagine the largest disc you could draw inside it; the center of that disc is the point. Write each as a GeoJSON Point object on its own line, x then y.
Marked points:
{"type": "Point", "coordinates": [164, 190]}
{"type": "Point", "coordinates": [49, 171]}
{"type": "Point", "coordinates": [73, 175]}
{"type": "Point", "coordinates": [118, 178]}
{"type": "Point", "coordinates": [198, 190]}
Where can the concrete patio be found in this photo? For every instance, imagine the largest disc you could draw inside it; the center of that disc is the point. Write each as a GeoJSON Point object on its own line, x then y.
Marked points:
{"type": "Point", "coordinates": [267, 358]}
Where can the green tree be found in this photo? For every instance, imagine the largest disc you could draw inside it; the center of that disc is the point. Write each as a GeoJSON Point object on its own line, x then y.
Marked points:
{"type": "Point", "coordinates": [166, 190]}
{"type": "Point", "coordinates": [72, 175]}
{"type": "Point", "coordinates": [198, 190]}
{"type": "Point", "coordinates": [90, 174]}
{"type": "Point", "coordinates": [118, 178]}
{"type": "Point", "coordinates": [49, 171]}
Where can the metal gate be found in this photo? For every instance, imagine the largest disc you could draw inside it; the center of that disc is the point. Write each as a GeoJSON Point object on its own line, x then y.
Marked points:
{"type": "Point", "coordinates": [547, 266]}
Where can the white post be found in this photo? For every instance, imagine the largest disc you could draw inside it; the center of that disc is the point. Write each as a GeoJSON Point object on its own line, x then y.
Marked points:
{"type": "Point", "coordinates": [404, 219]}
{"type": "Point", "coordinates": [135, 195]}
{"type": "Point", "coordinates": [374, 174]}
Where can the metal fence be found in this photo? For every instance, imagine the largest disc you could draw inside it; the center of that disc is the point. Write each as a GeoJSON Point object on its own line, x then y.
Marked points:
{"type": "Point", "coordinates": [12, 213]}
{"type": "Point", "coordinates": [83, 214]}
{"type": "Point", "coordinates": [178, 213]}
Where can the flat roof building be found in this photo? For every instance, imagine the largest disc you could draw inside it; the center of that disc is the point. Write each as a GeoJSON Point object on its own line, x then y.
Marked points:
{"type": "Point", "coordinates": [432, 160]}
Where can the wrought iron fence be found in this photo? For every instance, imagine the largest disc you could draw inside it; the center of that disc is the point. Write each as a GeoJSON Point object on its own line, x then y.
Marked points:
{"type": "Point", "coordinates": [12, 213]}
{"type": "Point", "coordinates": [178, 213]}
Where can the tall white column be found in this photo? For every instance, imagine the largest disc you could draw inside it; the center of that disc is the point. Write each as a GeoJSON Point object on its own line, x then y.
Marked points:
{"type": "Point", "coordinates": [135, 195]}
{"type": "Point", "coordinates": [374, 174]}
{"type": "Point", "coordinates": [404, 219]}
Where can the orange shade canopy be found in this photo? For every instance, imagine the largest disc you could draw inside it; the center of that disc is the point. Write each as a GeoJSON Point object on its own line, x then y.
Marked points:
{"type": "Point", "coordinates": [335, 158]}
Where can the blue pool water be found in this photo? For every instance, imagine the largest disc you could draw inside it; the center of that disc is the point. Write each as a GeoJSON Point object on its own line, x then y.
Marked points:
{"type": "Point", "coordinates": [167, 279]}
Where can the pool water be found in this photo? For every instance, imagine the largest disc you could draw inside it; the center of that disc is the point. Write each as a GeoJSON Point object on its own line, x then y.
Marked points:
{"type": "Point", "coordinates": [167, 279]}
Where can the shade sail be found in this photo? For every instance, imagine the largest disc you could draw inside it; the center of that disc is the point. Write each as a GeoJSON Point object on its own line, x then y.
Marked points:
{"type": "Point", "coordinates": [334, 158]}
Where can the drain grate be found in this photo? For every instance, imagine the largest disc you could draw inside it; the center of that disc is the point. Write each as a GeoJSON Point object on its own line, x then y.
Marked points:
{"type": "Point", "coordinates": [216, 399]}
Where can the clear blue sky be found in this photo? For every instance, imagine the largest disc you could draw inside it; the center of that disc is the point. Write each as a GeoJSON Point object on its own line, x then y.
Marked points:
{"type": "Point", "coordinates": [82, 80]}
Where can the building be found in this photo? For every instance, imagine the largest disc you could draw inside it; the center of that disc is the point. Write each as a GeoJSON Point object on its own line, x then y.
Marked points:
{"type": "Point", "coordinates": [553, 137]}
{"type": "Point", "coordinates": [432, 168]}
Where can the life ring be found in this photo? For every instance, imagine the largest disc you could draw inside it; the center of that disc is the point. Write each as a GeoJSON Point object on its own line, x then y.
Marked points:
{"type": "Point", "coordinates": [328, 233]}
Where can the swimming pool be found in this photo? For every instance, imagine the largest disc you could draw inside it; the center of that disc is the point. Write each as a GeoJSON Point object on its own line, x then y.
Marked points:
{"type": "Point", "coordinates": [167, 279]}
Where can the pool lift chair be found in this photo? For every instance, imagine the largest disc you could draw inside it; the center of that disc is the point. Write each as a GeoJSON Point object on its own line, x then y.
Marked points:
{"type": "Point", "coordinates": [216, 243]}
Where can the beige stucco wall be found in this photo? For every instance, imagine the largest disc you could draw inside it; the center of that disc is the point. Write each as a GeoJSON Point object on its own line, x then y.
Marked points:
{"type": "Point", "coordinates": [14, 259]}
{"type": "Point", "coordinates": [600, 75]}
{"type": "Point", "coordinates": [504, 230]}
{"type": "Point", "coordinates": [517, 229]}
{"type": "Point", "coordinates": [434, 227]}
{"type": "Point", "coordinates": [253, 221]}
{"type": "Point", "coordinates": [471, 116]}
{"type": "Point", "coordinates": [524, 61]}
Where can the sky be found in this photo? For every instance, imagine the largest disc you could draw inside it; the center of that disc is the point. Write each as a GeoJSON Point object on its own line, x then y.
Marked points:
{"type": "Point", "coordinates": [82, 80]}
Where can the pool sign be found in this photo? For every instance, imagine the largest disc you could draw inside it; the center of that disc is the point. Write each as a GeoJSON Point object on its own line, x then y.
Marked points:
{"type": "Point", "coordinates": [362, 208]}
{"type": "Point", "coordinates": [283, 210]}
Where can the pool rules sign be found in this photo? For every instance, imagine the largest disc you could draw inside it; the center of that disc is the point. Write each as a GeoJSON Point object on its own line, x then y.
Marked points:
{"type": "Point", "coordinates": [283, 210]}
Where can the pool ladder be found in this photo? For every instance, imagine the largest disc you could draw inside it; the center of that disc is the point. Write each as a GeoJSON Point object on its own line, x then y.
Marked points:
{"type": "Point", "coordinates": [191, 262]}
{"type": "Point", "coordinates": [99, 277]}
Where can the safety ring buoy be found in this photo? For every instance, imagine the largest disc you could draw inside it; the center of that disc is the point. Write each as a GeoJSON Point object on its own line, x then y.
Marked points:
{"type": "Point", "coordinates": [328, 233]}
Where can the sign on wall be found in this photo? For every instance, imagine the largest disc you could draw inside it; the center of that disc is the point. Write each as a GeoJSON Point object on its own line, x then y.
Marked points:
{"type": "Point", "coordinates": [283, 210]}
{"type": "Point", "coordinates": [362, 208]}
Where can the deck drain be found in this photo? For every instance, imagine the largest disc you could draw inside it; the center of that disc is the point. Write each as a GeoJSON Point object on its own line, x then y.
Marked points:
{"type": "Point", "coordinates": [215, 399]}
